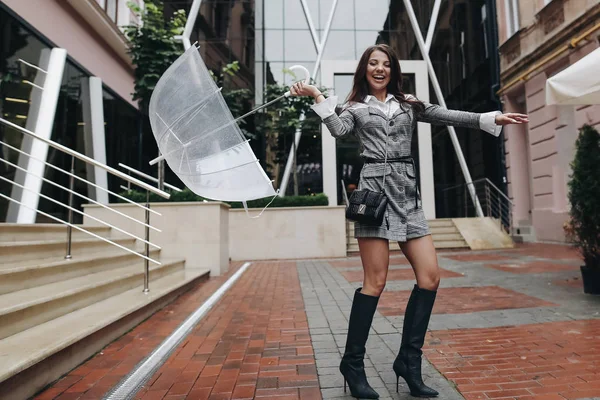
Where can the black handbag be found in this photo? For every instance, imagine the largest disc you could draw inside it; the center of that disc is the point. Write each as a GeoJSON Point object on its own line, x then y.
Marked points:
{"type": "Point", "coordinates": [367, 207]}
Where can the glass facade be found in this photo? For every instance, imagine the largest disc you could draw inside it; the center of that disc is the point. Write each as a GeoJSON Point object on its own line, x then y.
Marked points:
{"type": "Point", "coordinates": [224, 31]}
{"type": "Point", "coordinates": [266, 37]}
{"type": "Point", "coordinates": [121, 119]}
{"type": "Point", "coordinates": [284, 38]}
{"type": "Point", "coordinates": [460, 52]}
{"type": "Point", "coordinates": [468, 73]}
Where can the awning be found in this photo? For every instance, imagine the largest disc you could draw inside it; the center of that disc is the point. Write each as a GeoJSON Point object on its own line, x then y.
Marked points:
{"type": "Point", "coordinates": [578, 84]}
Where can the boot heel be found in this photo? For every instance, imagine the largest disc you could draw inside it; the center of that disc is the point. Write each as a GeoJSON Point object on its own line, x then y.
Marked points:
{"type": "Point", "coordinates": [397, 384]}
{"type": "Point", "coordinates": [344, 385]}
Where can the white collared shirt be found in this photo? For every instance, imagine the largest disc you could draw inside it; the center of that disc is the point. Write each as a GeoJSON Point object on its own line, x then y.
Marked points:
{"type": "Point", "coordinates": [326, 108]}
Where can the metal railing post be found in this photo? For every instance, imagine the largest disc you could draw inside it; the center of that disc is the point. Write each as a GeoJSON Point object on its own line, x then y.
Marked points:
{"type": "Point", "coordinates": [465, 198]}
{"type": "Point", "coordinates": [69, 229]}
{"type": "Point", "coordinates": [147, 246]}
{"type": "Point", "coordinates": [488, 200]}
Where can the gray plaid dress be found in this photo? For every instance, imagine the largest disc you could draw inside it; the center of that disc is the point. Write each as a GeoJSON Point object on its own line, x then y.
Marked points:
{"type": "Point", "coordinates": [404, 218]}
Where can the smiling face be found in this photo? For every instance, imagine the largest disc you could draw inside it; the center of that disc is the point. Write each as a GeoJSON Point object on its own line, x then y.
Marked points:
{"type": "Point", "coordinates": [378, 71]}
{"type": "Point", "coordinates": [378, 74]}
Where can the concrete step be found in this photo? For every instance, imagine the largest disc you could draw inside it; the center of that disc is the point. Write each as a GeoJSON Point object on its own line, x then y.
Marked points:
{"type": "Point", "coordinates": [31, 359]}
{"type": "Point", "coordinates": [443, 229]}
{"type": "Point", "coordinates": [37, 232]}
{"type": "Point", "coordinates": [440, 223]}
{"type": "Point", "coordinates": [27, 308]}
{"type": "Point", "coordinates": [444, 232]}
{"type": "Point", "coordinates": [21, 253]}
{"type": "Point", "coordinates": [43, 273]}
{"type": "Point", "coordinates": [451, 244]}
{"type": "Point", "coordinates": [444, 237]}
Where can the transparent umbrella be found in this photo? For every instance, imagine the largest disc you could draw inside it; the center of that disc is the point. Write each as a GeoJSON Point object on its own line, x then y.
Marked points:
{"type": "Point", "coordinates": [199, 138]}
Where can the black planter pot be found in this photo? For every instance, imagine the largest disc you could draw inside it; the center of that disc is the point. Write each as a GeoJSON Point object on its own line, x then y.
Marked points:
{"type": "Point", "coordinates": [591, 279]}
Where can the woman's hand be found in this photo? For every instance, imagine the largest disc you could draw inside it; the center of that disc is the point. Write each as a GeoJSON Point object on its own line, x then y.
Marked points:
{"type": "Point", "coordinates": [301, 89]}
{"type": "Point", "coordinates": [511, 118]}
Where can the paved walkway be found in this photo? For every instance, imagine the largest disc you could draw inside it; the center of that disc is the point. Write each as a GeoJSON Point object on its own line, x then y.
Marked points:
{"type": "Point", "coordinates": [511, 324]}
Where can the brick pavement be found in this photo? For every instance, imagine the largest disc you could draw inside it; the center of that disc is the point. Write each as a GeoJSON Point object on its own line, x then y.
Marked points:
{"type": "Point", "coordinates": [511, 324]}
{"type": "Point", "coordinates": [544, 361]}
{"type": "Point", "coordinates": [537, 308]}
{"type": "Point", "coordinates": [254, 344]}
{"type": "Point", "coordinates": [461, 300]}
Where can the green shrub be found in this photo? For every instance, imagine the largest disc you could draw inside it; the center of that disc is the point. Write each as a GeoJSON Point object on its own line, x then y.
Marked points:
{"type": "Point", "coordinates": [584, 196]}
{"type": "Point", "coordinates": [187, 195]}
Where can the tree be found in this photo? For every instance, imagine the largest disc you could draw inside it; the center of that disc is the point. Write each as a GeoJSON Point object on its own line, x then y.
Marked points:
{"type": "Point", "coordinates": [153, 49]}
{"type": "Point", "coordinates": [584, 195]}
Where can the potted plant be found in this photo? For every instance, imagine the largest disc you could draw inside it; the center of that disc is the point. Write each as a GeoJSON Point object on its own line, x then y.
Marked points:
{"type": "Point", "coordinates": [584, 196]}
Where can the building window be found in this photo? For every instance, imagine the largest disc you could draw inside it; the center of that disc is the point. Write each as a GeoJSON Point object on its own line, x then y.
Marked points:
{"type": "Point", "coordinates": [122, 133]}
{"type": "Point", "coordinates": [118, 11]}
{"type": "Point", "coordinates": [512, 16]}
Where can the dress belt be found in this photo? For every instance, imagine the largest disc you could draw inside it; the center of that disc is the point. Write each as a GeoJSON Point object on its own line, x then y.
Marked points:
{"type": "Point", "coordinates": [408, 160]}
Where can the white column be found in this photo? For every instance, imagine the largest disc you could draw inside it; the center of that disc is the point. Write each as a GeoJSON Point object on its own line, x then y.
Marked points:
{"type": "Point", "coordinates": [425, 148]}
{"type": "Point", "coordinates": [328, 143]}
{"type": "Point", "coordinates": [320, 47]}
{"type": "Point", "coordinates": [94, 136]}
{"type": "Point", "coordinates": [40, 119]}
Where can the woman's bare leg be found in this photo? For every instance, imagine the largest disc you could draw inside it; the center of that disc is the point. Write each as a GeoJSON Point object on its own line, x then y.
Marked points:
{"type": "Point", "coordinates": [375, 256]}
{"type": "Point", "coordinates": [422, 256]}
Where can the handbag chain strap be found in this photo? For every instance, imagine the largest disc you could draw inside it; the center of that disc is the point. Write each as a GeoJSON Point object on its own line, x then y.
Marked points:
{"type": "Point", "coordinates": [386, 150]}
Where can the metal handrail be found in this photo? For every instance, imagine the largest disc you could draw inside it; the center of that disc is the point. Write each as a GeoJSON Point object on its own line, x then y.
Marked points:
{"type": "Point", "coordinates": [71, 191]}
{"type": "Point", "coordinates": [82, 213]}
{"type": "Point", "coordinates": [88, 159]}
{"type": "Point", "coordinates": [74, 154]}
{"type": "Point", "coordinates": [72, 175]}
{"type": "Point", "coordinates": [148, 259]}
{"type": "Point", "coordinates": [497, 204]}
{"type": "Point", "coordinates": [498, 190]}
{"type": "Point", "coordinates": [150, 178]}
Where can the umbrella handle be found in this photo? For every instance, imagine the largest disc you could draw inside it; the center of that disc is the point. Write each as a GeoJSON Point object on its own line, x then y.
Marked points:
{"type": "Point", "coordinates": [306, 76]}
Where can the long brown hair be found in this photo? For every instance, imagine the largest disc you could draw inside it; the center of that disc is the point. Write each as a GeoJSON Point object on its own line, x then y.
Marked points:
{"type": "Point", "coordinates": [360, 88]}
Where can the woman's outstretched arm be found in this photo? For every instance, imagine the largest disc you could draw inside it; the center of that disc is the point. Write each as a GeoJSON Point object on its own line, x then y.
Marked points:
{"type": "Point", "coordinates": [338, 126]}
{"type": "Point", "coordinates": [491, 122]}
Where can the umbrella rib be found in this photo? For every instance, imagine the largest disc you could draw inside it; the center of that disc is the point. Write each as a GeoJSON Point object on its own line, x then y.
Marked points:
{"type": "Point", "coordinates": [169, 129]}
{"type": "Point", "coordinates": [228, 169]}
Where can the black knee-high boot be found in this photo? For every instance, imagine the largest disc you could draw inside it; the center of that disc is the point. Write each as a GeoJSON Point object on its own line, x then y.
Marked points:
{"type": "Point", "coordinates": [408, 362]}
{"type": "Point", "coordinates": [352, 365]}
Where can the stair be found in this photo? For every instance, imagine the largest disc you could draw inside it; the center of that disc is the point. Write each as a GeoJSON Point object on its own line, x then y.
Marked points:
{"type": "Point", "coordinates": [56, 313]}
{"type": "Point", "coordinates": [24, 232]}
{"type": "Point", "coordinates": [444, 232]}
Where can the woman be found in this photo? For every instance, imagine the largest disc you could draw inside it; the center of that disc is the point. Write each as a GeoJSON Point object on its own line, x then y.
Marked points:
{"type": "Point", "coordinates": [384, 118]}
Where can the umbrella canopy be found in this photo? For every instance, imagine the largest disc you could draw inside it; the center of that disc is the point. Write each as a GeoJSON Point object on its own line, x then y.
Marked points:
{"type": "Point", "coordinates": [578, 84]}
{"type": "Point", "coordinates": [199, 138]}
